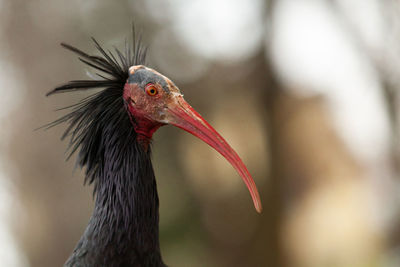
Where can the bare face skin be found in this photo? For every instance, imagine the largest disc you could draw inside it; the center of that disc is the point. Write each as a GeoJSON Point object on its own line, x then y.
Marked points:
{"type": "Point", "coordinates": [153, 100]}
{"type": "Point", "coordinates": [149, 94]}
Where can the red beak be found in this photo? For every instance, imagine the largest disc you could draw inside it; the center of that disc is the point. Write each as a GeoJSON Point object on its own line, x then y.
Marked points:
{"type": "Point", "coordinates": [182, 115]}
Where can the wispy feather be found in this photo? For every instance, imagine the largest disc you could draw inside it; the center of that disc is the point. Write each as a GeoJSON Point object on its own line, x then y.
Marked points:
{"type": "Point", "coordinates": [100, 118]}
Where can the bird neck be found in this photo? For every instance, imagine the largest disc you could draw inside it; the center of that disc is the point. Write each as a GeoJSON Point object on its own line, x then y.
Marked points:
{"type": "Point", "coordinates": [123, 230]}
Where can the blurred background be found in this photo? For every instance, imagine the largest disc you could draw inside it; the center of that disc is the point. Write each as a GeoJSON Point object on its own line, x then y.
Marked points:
{"type": "Point", "coordinates": [306, 91]}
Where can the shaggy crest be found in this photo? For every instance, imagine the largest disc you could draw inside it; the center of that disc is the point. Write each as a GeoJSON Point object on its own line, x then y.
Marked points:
{"type": "Point", "coordinates": [97, 120]}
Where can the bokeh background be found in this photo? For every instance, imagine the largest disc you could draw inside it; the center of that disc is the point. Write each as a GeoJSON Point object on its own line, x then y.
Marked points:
{"type": "Point", "coordinates": [306, 91]}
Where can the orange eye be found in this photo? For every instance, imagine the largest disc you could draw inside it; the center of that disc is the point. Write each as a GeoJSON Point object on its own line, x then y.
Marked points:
{"type": "Point", "coordinates": [151, 90]}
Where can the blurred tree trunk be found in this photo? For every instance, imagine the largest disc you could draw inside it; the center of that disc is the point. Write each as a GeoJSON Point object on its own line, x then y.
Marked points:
{"type": "Point", "coordinates": [324, 220]}
{"type": "Point", "coordinates": [314, 200]}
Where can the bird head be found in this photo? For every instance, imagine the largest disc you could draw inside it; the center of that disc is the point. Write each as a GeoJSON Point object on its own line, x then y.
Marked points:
{"type": "Point", "coordinates": [154, 100]}
{"type": "Point", "coordinates": [151, 100]}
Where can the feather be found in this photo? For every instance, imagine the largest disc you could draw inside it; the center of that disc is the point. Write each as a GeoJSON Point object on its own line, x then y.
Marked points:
{"type": "Point", "coordinates": [88, 119]}
{"type": "Point", "coordinates": [123, 229]}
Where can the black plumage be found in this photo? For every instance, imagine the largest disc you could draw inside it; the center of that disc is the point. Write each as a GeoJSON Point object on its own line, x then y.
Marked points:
{"type": "Point", "coordinates": [123, 230]}
{"type": "Point", "coordinates": [112, 129]}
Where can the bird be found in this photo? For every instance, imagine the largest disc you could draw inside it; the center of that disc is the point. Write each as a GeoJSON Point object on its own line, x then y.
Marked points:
{"type": "Point", "coordinates": [111, 131]}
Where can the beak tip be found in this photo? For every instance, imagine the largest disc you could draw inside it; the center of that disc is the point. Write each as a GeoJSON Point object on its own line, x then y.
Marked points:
{"type": "Point", "coordinates": [259, 209]}
{"type": "Point", "coordinates": [258, 206]}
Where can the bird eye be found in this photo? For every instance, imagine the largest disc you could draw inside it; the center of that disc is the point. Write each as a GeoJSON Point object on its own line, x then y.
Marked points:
{"type": "Point", "coordinates": [151, 90]}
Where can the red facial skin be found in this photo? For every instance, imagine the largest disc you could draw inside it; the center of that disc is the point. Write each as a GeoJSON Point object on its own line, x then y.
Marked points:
{"type": "Point", "coordinates": [168, 107]}
{"type": "Point", "coordinates": [144, 126]}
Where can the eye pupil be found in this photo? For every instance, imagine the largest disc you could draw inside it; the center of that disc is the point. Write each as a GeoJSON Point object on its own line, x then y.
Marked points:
{"type": "Point", "coordinates": [151, 90]}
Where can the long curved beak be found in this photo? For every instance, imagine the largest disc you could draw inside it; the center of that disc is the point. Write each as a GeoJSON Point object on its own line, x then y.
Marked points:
{"type": "Point", "coordinates": [179, 113]}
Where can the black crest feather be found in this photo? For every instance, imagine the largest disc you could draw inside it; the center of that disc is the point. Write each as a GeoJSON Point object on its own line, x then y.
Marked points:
{"type": "Point", "coordinates": [99, 121]}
